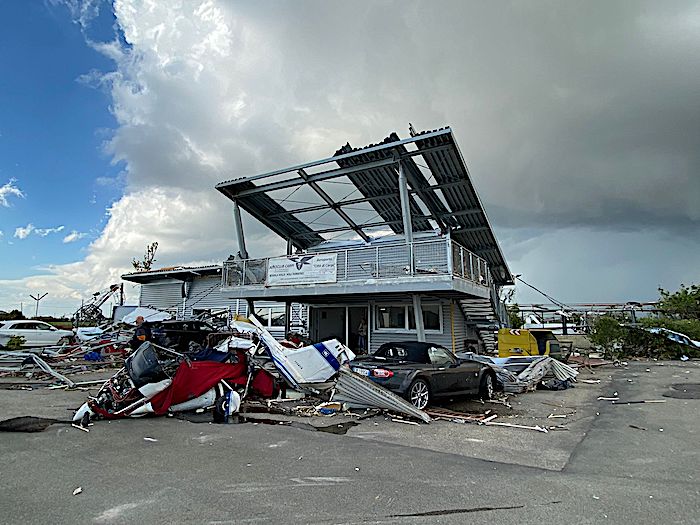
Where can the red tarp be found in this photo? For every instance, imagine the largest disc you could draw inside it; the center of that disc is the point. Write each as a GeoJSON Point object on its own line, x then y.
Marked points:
{"type": "Point", "coordinates": [194, 379]}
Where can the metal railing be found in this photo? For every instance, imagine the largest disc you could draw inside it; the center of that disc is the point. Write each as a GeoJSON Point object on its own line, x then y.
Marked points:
{"type": "Point", "coordinates": [418, 259]}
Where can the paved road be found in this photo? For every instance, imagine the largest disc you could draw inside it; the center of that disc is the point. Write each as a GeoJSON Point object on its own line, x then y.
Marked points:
{"type": "Point", "coordinates": [202, 473]}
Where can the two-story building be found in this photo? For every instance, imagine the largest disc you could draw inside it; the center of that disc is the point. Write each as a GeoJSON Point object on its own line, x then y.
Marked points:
{"type": "Point", "coordinates": [386, 242]}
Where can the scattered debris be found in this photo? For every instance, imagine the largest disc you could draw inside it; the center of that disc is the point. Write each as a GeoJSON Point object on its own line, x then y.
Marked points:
{"type": "Point", "coordinates": [638, 428]}
{"type": "Point", "coordinates": [396, 420]}
{"type": "Point", "coordinates": [80, 428]}
{"type": "Point", "coordinates": [152, 440]}
{"type": "Point", "coordinates": [77, 491]}
{"type": "Point", "coordinates": [359, 392]}
{"type": "Point", "coordinates": [512, 425]}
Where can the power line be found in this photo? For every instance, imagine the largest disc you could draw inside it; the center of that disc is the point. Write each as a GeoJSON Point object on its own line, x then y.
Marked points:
{"type": "Point", "coordinates": [554, 301]}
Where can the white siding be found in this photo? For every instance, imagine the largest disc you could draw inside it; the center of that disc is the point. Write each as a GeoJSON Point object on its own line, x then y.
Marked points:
{"type": "Point", "coordinates": [205, 293]}
{"type": "Point", "coordinates": [163, 296]}
{"type": "Point", "coordinates": [444, 337]}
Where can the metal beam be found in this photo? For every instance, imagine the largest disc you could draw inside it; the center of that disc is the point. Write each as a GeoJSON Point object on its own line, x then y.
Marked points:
{"type": "Point", "coordinates": [238, 226]}
{"type": "Point", "coordinates": [315, 177]}
{"type": "Point", "coordinates": [405, 206]}
{"type": "Point", "coordinates": [418, 313]}
{"type": "Point", "coordinates": [353, 225]}
{"type": "Point", "coordinates": [380, 147]}
{"type": "Point", "coordinates": [351, 202]}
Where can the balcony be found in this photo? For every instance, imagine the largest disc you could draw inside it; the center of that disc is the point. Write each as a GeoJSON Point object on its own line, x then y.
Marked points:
{"type": "Point", "coordinates": [434, 265]}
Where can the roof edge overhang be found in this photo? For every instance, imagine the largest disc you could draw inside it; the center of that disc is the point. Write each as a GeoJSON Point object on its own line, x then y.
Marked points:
{"type": "Point", "coordinates": [179, 273]}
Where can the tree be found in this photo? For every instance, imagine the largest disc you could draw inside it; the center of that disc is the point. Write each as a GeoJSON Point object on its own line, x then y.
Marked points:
{"type": "Point", "coordinates": [148, 259]}
{"type": "Point", "coordinates": [607, 333]}
{"type": "Point", "coordinates": [683, 304]}
{"type": "Point", "coordinates": [514, 318]}
{"type": "Point", "coordinates": [12, 315]}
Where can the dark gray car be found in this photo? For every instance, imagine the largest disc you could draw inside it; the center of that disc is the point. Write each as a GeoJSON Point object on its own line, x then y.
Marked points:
{"type": "Point", "coordinates": [422, 372]}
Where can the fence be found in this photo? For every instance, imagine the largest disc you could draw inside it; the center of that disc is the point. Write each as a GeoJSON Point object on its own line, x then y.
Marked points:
{"type": "Point", "coordinates": [383, 261]}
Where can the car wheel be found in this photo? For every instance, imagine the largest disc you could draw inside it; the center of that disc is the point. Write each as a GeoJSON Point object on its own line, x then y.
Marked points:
{"type": "Point", "coordinates": [419, 394]}
{"type": "Point", "coordinates": [487, 386]}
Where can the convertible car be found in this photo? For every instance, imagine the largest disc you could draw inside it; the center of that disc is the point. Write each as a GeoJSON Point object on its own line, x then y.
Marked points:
{"type": "Point", "coordinates": [422, 372]}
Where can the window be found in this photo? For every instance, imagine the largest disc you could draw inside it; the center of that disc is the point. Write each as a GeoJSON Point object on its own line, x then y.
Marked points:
{"type": "Point", "coordinates": [274, 316]}
{"type": "Point", "coordinates": [43, 326]}
{"type": "Point", "coordinates": [401, 317]}
{"type": "Point", "coordinates": [440, 356]}
{"type": "Point", "coordinates": [391, 317]}
{"type": "Point", "coordinates": [396, 352]}
{"type": "Point", "coordinates": [431, 317]}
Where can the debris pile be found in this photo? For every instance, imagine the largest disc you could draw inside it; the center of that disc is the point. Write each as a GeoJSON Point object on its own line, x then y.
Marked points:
{"type": "Point", "coordinates": [242, 370]}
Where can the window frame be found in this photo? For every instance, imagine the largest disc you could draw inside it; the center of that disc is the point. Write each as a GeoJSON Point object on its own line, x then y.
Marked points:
{"type": "Point", "coordinates": [406, 328]}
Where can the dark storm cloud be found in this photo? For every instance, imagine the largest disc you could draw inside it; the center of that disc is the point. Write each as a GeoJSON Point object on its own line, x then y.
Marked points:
{"type": "Point", "coordinates": [569, 114]}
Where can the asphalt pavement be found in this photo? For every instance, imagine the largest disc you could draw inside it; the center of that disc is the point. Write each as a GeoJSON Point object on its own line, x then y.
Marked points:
{"type": "Point", "coordinates": [618, 463]}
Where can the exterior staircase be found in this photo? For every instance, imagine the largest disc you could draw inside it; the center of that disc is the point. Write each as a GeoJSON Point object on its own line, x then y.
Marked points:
{"type": "Point", "coordinates": [487, 316]}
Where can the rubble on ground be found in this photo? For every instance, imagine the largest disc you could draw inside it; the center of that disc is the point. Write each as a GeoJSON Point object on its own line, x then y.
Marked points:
{"type": "Point", "coordinates": [248, 372]}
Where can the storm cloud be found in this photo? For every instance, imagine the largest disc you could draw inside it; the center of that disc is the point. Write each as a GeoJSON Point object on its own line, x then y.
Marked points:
{"type": "Point", "coordinates": [580, 122]}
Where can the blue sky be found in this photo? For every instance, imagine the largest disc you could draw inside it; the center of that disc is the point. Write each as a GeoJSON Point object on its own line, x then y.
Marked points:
{"type": "Point", "coordinates": [579, 125]}
{"type": "Point", "coordinates": [52, 126]}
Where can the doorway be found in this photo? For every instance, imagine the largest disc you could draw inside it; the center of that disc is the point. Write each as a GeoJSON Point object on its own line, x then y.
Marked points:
{"type": "Point", "coordinates": [347, 324]}
{"type": "Point", "coordinates": [358, 329]}
{"type": "Point", "coordinates": [329, 323]}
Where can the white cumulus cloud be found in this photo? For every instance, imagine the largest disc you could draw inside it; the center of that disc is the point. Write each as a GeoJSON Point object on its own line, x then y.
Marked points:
{"type": "Point", "coordinates": [73, 236]}
{"type": "Point", "coordinates": [22, 232]}
{"type": "Point", "coordinates": [9, 189]}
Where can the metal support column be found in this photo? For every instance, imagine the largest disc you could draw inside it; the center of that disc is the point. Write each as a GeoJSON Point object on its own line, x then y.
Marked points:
{"type": "Point", "coordinates": [405, 205]}
{"type": "Point", "coordinates": [287, 303]}
{"type": "Point", "coordinates": [406, 215]}
{"type": "Point", "coordinates": [238, 226]}
{"type": "Point", "coordinates": [418, 312]}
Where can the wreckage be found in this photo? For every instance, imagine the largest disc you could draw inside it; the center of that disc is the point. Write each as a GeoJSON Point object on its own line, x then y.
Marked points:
{"type": "Point", "coordinates": [157, 380]}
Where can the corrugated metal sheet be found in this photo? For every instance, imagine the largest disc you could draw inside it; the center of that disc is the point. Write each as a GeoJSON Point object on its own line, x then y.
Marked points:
{"type": "Point", "coordinates": [451, 201]}
{"type": "Point", "coordinates": [383, 182]}
{"type": "Point", "coordinates": [205, 293]}
{"type": "Point", "coordinates": [163, 296]}
{"type": "Point", "coordinates": [360, 392]}
{"type": "Point", "coordinates": [452, 176]}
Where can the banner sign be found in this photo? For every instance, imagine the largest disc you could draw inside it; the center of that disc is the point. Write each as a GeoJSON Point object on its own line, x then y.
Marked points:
{"type": "Point", "coordinates": [302, 269]}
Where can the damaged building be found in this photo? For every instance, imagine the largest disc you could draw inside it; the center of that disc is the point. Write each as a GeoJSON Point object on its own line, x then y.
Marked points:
{"type": "Point", "coordinates": [384, 243]}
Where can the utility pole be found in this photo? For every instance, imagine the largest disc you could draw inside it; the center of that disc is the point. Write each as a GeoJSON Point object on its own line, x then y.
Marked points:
{"type": "Point", "coordinates": [37, 299]}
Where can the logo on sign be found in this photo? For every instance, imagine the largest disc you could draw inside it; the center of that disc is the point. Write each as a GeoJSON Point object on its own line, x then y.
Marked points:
{"type": "Point", "coordinates": [301, 261]}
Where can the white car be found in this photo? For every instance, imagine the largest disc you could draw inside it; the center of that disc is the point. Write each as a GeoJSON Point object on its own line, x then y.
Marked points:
{"type": "Point", "coordinates": [35, 333]}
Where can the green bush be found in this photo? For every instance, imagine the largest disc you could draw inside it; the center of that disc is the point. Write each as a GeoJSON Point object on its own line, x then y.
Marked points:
{"type": "Point", "coordinates": [607, 334]}
{"type": "Point", "coordinates": [15, 342]}
{"type": "Point", "coordinates": [640, 343]}
{"type": "Point", "coordinates": [617, 341]}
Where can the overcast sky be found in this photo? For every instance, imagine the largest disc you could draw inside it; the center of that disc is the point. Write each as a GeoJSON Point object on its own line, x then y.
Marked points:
{"type": "Point", "coordinates": [579, 121]}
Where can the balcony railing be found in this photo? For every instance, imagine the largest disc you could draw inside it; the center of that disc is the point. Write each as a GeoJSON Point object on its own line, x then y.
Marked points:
{"type": "Point", "coordinates": [420, 259]}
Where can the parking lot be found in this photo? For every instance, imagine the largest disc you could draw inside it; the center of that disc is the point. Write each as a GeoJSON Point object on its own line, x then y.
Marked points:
{"type": "Point", "coordinates": [164, 470]}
